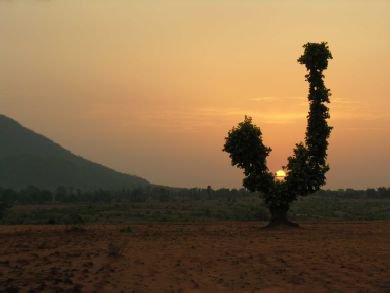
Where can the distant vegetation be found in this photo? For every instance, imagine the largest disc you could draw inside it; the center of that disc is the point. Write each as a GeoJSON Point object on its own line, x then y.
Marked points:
{"type": "Point", "coordinates": [163, 204]}
{"type": "Point", "coordinates": [28, 158]}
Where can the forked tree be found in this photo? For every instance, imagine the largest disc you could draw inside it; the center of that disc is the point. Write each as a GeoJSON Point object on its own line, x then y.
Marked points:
{"type": "Point", "coordinates": [306, 168]}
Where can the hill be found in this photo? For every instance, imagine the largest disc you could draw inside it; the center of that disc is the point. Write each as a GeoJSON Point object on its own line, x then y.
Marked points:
{"type": "Point", "coordinates": [31, 159]}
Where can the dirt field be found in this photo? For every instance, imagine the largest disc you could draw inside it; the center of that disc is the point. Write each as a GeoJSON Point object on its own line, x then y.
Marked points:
{"type": "Point", "coordinates": [222, 257]}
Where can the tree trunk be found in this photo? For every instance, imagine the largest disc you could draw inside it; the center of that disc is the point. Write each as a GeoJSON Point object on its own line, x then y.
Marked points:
{"type": "Point", "coordinates": [279, 218]}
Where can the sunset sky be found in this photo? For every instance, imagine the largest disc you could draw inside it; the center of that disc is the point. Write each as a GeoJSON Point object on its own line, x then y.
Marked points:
{"type": "Point", "coordinates": [152, 87]}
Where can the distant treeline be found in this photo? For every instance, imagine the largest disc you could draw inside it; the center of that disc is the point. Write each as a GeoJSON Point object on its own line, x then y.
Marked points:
{"type": "Point", "coordinates": [381, 192]}
{"type": "Point", "coordinates": [163, 194]}
{"type": "Point", "coordinates": [159, 193]}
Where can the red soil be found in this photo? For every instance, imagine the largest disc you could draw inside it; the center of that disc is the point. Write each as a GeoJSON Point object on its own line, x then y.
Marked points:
{"type": "Point", "coordinates": [217, 257]}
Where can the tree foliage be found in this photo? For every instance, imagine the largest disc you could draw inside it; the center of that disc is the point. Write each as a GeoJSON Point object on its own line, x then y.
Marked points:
{"type": "Point", "coordinates": [247, 151]}
{"type": "Point", "coordinates": [307, 166]}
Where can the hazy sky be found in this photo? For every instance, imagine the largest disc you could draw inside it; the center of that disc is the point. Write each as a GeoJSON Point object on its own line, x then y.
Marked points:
{"type": "Point", "coordinates": [152, 87]}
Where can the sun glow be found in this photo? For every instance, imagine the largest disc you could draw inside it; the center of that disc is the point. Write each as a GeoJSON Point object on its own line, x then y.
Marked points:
{"type": "Point", "coordinates": [280, 175]}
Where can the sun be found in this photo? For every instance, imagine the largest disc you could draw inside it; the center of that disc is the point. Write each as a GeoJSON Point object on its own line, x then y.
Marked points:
{"type": "Point", "coordinates": [280, 175]}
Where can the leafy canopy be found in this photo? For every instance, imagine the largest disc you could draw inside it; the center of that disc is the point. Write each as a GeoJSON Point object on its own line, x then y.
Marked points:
{"type": "Point", "coordinates": [307, 166]}
{"type": "Point", "coordinates": [246, 150]}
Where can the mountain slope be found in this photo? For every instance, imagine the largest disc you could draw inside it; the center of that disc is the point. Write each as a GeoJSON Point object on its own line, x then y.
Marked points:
{"type": "Point", "coordinates": [28, 158]}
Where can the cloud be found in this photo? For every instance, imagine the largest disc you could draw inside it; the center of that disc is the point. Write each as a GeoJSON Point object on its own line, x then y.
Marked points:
{"type": "Point", "coordinates": [261, 99]}
{"type": "Point", "coordinates": [272, 98]}
{"type": "Point", "coordinates": [343, 108]}
{"type": "Point", "coordinates": [169, 117]}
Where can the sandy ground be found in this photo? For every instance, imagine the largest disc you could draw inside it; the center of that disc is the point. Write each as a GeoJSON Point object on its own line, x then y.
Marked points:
{"type": "Point", "coordinates": [222, 257]}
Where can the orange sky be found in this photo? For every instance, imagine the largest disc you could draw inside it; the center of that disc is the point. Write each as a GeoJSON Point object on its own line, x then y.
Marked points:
{"type": "Point", "coordinates": [152, 87]}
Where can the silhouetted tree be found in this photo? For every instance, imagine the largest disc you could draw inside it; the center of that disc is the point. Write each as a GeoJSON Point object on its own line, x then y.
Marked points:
{"type": "Point", "coordinates": [307, 166]}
